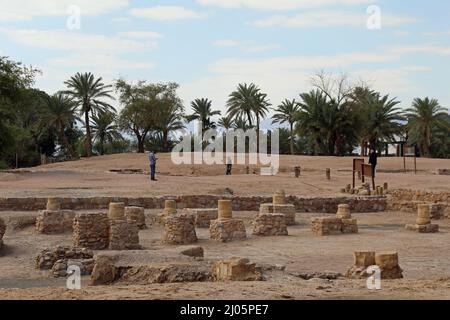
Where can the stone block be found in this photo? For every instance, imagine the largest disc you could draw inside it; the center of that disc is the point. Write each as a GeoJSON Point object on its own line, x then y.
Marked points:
{"type": "Point", "coordinates": [287, 209]}
{"type": "Point", "coordinates": [123, 235]}
{"type": "Point", "coordinates": [136, 215]}
{"type": "Point", "coordinates": [196, 252]}
{"type": "Point", "coordinates": [428, 228]}
{"type": "Point", "coordinates": [326, 226]}
{"type": "Point", "coordinates": [91, 230]}
{"type": "Point", "coordinates": [179, 229]}
{"type": "Point", "coordinates": [235, 269]}
{"type": "Point", "coordinates": [270, 225]}
{"type": "Point", "coordinates": [227, 230]}
{"type": "Point", "coordinates": [54, 222]}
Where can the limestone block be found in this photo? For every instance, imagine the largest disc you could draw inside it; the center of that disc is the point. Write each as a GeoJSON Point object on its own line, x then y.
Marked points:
{"type": "Point", "coordinates": [287, 209]}
{"type": "Point", "coordinates": [104, 271]}
{"type": "Point", "coordinates": [349, 226]}
{"type": "Point", "coordinates": [326, 226]}
{"type": "Point", "coordinates": [53, 222]}
{"type": "Point", "coordinates": [116, 211]}
{"type": "Point", "coordinates": [53, 204]}
{"type": "Point", "coordinates": [196, 252]}
{"type": "Point", "coordinates": [136, 215]}
{"type": "Point", "coordinates": [344, 211]}
{"type": "Point", "coordinates": [227, 230]}
{"type": "Point", "coordinates": [235, 269]}
{"type": "Point", "coordinates": [270, 225]}
{"type": "Point", "coordinates": [123, 235]}
{"type": "Point", "coordinates": [179, 229]}
{"type": "Point", "coordinates": [46, 259]}
{"type": "Point", "coordinates": [279, 197]}
{"type": "Point", "coordinates": [364, 258]}
{"type": "Point", "coordinates": [225, 210]}
{"type": "Point", "coordinates": [60, 267]}
{"type": "Point", "coordinates": [91, 230]}
{"type": "Point", "coordinates": [388, 263]}
{"type": "Point", "coordinates": [423, 214]}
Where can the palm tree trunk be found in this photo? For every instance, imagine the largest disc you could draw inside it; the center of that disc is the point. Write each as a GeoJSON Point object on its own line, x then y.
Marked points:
{"type": "Point", "coordinates": [257, 134]}
{"type": "Point", "coordinates": [88, 135]}
{"type": "Point", "coordinates": [292, 139]}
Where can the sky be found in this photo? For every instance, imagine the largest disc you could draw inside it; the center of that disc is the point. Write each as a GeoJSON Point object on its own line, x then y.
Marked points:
{"type": "Point", "coordinates": [399, 47]}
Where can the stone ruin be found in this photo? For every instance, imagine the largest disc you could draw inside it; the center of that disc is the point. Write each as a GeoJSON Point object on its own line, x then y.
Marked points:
{"type": "Point", "coordinates": [236, 269]}
{"type": "Point", "coordinates": [99, 231]}
{"type": "Point", "coordinates": [203, 217]}
{"type": "Point", "coordinates": [386, 261]}
{"type": "Point", "coordinates": [343, 223]}
{"type": "Point", "coordinates": [170, 208]}
{"type": "Point", "coordinates": [270, 224]}
{"type": "Point", "coordinates": [53, 220]}
{"type": "Point", "coordinates": [225, 228]}
{"type": "Point", "coordinates": [2, 232]}
{"type": "Point", "coordinates": [179, 229]}
{"type": "Point", "coordinates": [136, 215]}
{"type": "Point", "coordinates": [60, 258]}
{"type": "Point", "coordinates": [423, 222]}
{"type": "Point", "coordinates": [279, 206]}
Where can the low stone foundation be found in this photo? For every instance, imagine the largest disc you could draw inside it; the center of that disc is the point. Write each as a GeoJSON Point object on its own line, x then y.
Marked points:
{"type": "Point", "coordinates": [270, 225]}
{"type": "Point", "coordinates": [179, 229]}
{"type": "Point", "coordinates": [423, 222]}
{"type": "Point", "coordinates": [123, 235]}
{"type": "Point", "coordinates": [203, 217]}
{"type": "Point", "coordinates": [288, 210]}
{"type": "Point", "coordinates": [386, 261]}
{"type": "Point", "coordinates": [91, 230]}
{"type": "Point", "coordinates": [61, 257]}
{"type": "Point", "coordinates": [333, 226]}
{"type": "Point", "coordinates": [409, 200]}
{"type": "Point", "coordinates": [236, 269]}
{"type": "Point", "coordinates": [250, 203]}
{"type": "Point", "coordinates": [227, 230]}
{"type": "Point", "coordinates": [54, 222]}
{"type": "Point", "coordinates": [443, 172]}
{"type": "Point", "coordinates": [136, 215]}
{"type": "Point", "coordinates": [429, 228]}
{"type": "Point", "coordinates": [2, 232]}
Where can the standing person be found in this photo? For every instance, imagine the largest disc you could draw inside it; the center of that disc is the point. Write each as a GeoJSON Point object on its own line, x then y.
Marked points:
{"type": "Point", "coordinates": [152, 158]}
{"type": "Point", "coordinates": [373, 160]}
{"type": "Point", "coordinates": [229, 166]}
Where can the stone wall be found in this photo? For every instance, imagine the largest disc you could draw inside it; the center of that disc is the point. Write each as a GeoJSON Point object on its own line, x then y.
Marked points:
{"type": "Point", "coordinates": [248, 203]}
{"type": "Point", "coordinates": [409, 200]}
{"type": "Point", "coordinates": [91, 230]}
{"type": "Point", "coordinates": [123, 235]}
{"type": "Point", "coordinates": [53, 222]}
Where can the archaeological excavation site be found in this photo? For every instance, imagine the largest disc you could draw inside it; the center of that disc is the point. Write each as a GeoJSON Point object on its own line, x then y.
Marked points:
{"type": "Point", "coordinates": [197, 234]}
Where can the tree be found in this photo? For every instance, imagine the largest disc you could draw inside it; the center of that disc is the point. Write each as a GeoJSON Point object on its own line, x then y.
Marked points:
{"type": "Point", "coordinates": [60, 114]}
{"type": "Point", "coordinates": [104, 129]}
{"type": "Point", "coordinates": [424, 117]}
{"type": "Point", "coordinates": [226, 123]}
{"type": "Point", "coordinates": [249, 101]}
{"type": "Point", "coordinates": [381, 118]}
{"type": "Point", "coordinates": [89, 94]}
{"type": "Point", "coordinates": [203, 112]}
{"type": "Point", "coordinates": [287, 113]}
{"type": "Point", "coordinates": [148, 109]}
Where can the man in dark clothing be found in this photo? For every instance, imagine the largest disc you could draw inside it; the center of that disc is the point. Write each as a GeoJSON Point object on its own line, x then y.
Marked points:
{"type": "Point", "coordinates": [373, 160]}
{"type": "Point", "coordinates": [152, 158]}
{"type": "Point", "coordinates": [229, 166]}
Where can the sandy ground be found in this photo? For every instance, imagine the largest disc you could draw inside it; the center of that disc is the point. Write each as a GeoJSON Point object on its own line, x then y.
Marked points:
{"type": "Point", "coordinates": [92, 177]}
{"type": "Point", "coordinates": [424, 258]}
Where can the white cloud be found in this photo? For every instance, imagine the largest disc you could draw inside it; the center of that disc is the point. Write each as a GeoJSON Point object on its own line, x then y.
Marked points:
{"type": "Point", "coordinates": [141, 35]}
{"type": "Point", "coordinates": [226, 43]}
{"type": "Point", "coordinates": [330, 19]}
{"type": "Point", "coordinates": [272, 5]}
{"type": "Point", "coordinates": [18, 10]}
{"type": "Point", "coordinates": [166, 13]}
{"type": "Point", "coordinates": [74, 41]}
{"type": "Point", "coordinates": [100, 62]}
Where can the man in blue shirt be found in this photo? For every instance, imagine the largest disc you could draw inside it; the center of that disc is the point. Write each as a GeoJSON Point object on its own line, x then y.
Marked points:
{"type": "Point", "coordinates": [152, 158]}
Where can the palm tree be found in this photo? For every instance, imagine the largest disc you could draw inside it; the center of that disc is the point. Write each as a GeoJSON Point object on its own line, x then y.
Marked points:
{"type": "Point", "coordinates": [226, 122]}
{"type": "Point", "coordinates": [89, 92]}
{"type": "Point", "coordinates": [105, 129]}
{"type": "Point", "coordinates": [310, 121]}
{"type": "Point", "coordinates": [168, 119]}
{"type": "Point", "coordinates": [382, 118]}
{"type": "Point", "coordinates": [424, 116]}
{"type": "Point", "coordinates": [248, 101]}
{"type": "Point", "coordinates": [286, 113]}
{"type": "Point", "coordinates": [60, 113]}
{"type": "Point", "coordinates": [202, 112]}
{"type": "Point", "coordinates": [241, 124]}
